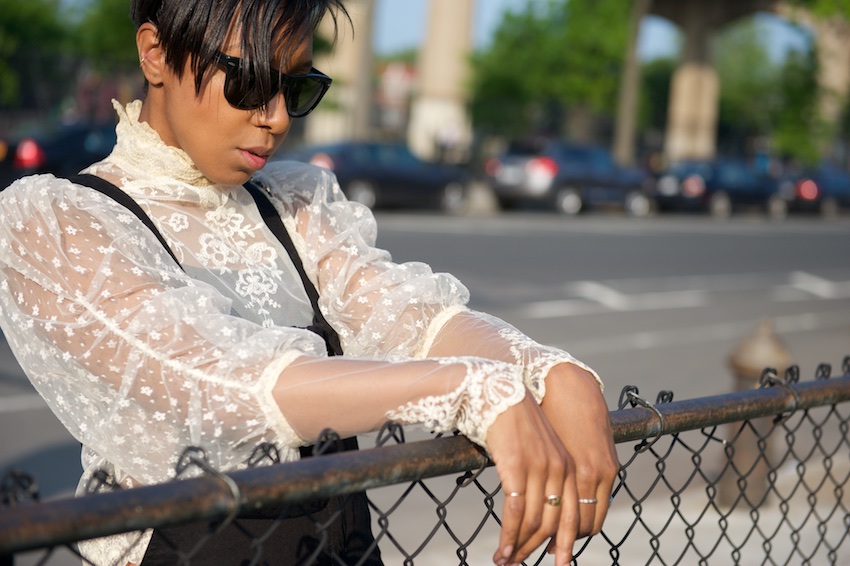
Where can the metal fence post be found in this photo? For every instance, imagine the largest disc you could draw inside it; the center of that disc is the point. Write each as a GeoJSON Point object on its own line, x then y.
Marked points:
{"type": "Point", "coordinates": [746, 473]}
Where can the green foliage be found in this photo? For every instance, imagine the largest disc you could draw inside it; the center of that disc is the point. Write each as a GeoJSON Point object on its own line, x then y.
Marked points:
{"type": "Point", "coordinates": [765, 99]}
{"type": "Point", "coordinates": [748, 78]}
{"type": "Point", "coordinates": [28, 30]}
{"type": "Point", "coordinates": [799, 131]}
{"type": "Point", "coordinates": [656, 76]}
{"type": "Point", "coordinates": [553, 55]}
{"type": "Point", "coordinates": [106, 35]}
{"type": "Point", "coordinates": [826, 8]}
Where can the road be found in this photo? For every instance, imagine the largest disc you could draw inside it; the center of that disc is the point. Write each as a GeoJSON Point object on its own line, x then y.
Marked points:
{"type": "Point", "coordinates": [659, 303]}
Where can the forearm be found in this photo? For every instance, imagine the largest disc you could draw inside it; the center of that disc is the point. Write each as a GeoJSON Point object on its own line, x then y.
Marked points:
{"type": "Point", "coordinates": [354, 396]}
{"type": "Point", "coordinates": [477, 334]}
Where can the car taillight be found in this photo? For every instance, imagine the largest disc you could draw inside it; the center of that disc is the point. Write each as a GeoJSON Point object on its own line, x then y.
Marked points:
{"type": "Point", "coordinates": [28, 155]}
{"type": "Point", "coordinates": [693, 186]}
{"type": "Point", "coordinates": [542, 167]}
{"type": "Point", "coordinates": [323, 160]}
{"type": "Point", "coordinates": [807, 189]}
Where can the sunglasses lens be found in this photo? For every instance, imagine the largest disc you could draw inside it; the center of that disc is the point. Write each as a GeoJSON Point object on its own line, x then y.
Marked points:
{"type": "Point", "coordinates": [302, 95]}
{"type": "Point", "coordinates": [244, 93]}
{"type": "Point", "coordinates": [301, 92]}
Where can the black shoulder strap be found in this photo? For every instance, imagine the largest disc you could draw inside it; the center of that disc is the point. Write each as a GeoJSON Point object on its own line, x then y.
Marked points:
{"type": "Point", "coordinates": [275, 224]}
{"type": "Point", "coordinates": [272, 219]}
{"type": "Point", "coordinates": [116, 194]}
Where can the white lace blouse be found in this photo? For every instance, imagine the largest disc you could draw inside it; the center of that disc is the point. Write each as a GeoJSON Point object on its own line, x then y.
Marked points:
{"type": "Point", "coordinates": [139, 358]}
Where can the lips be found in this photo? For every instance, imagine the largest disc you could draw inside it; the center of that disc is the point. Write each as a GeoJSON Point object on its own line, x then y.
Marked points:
{"type": "Point", "coordinates": [256, 157]}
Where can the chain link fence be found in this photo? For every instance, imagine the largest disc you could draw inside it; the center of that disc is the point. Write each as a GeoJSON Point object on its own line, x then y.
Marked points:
{"type": "Point", "coordinates": [752, 477]}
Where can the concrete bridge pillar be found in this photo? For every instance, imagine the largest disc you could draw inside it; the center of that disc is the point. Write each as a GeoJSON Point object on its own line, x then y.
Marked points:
{"type": "Point", "coordinates": [695, 89]}
{"type": "Point", "coordinates": [346, 112]}
{"type": "Point", "coordinates": [439, 121]}
{"type": "Point", "coordinates": [694, 93]}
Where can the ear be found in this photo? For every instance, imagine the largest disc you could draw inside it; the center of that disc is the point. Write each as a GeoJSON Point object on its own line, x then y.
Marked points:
{"type": "Point", "coordinates": [151, 54]}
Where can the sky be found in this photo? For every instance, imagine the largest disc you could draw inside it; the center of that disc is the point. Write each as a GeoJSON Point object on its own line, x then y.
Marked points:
{"type": "Point", "coordinates": [401, 24]}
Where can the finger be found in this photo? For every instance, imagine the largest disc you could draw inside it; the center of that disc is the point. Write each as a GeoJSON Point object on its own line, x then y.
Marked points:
{"type": "Point", "coordinates": [528, 537]}
{"type": "Point", "coordinates": [603, 503]}
{"type": "Point", "coordinates": [546, 483]}
{"type": "Point", "coordinates": [568, 525]}
{"type": "Point", "coordinates": [541, 527]}
{"type": "Point", "coordinates": [513, 510]}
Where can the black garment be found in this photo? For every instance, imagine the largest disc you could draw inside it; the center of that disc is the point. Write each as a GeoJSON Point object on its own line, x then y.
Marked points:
{"type": "Point", "coordinates": [294, 540]}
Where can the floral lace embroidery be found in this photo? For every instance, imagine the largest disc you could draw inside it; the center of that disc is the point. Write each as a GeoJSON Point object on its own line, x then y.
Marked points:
{"type": "Point", "coordinates": [488, 390]}
{"type": "Point", "coordinates": [537, 360]}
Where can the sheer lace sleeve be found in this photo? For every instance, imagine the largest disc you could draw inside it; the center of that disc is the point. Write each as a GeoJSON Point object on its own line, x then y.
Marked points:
{"type": "Point", "coordinates": [135, 358]}
{"type": "Point", "coordinates": [138, 360]}
{"type": "Point", "coordinates": [478, 334]}
{"type": "Point", "coordinates": [379, 308]}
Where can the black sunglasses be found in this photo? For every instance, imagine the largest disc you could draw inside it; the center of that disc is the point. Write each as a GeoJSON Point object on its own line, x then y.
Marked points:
{"type": "Point", "coordinates": [301, 92]}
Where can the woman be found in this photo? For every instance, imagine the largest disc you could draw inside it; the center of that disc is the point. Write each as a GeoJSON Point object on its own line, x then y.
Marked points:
{"type": "Point", "coordinates": [141, 354]}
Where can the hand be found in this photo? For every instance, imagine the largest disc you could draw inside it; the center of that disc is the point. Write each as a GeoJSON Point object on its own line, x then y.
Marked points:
{"type": "Point", "coordinates": [532, 464]}
{"type": "Point", "coordinates": [575, 408]}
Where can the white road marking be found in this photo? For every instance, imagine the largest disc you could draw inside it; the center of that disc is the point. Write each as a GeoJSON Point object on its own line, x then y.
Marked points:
{"type": "Point", "coordinates": [617, 301]}
{"type": "Point", "coordinates": [820, 287]}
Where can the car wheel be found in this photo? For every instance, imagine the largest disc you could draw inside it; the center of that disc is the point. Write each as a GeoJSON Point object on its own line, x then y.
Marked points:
{"type": "Point", "coordinates": [362, 192]}
{"type": "Point", "coordinates": [638, 204]}
{"type": "Point", "coordinates": [829, 207]}
{"type": "Point", "coordinates": [568, 201]}
{"type": "Point", "coordinates": [454, 198]}
{"type": "Point", "coordinates": [720, 205]}
{"type": "Point", "coordinates": [777, 208]}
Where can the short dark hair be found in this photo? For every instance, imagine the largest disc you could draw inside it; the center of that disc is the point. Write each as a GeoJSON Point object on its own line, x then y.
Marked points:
{"type": "Point", "coordinates": [195, 30]}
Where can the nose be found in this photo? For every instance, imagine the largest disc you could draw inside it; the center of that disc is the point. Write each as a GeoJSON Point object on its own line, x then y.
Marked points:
{"type": "Point", "coordinates": [274, 116]}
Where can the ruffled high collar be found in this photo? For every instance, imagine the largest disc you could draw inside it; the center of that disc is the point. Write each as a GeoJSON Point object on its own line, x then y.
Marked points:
{"type": "Point", "coordinates": [139, 146]}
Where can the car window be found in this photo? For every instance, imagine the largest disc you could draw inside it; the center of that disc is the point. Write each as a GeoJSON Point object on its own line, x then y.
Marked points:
{"type": "Point", "coordinates": [361, 153]}
{"type": "Point", "coordinates": [396, 155]}
{"type": "Point", "coordinates": [733, 174]}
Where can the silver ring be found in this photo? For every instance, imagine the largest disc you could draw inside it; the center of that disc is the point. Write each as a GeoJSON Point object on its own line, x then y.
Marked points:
{"type": "Point", "coordinates": [588, 501]}
{"type": "Point", "coordinates": [554, 500]}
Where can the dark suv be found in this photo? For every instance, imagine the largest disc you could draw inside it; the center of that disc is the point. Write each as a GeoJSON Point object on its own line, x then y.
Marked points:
{"type": "Point", "coordinates": [64, 151]}
{"type": "Point", "coordinates": [718, 187]}
{"type": "Point", "coordinates": [569, 177]}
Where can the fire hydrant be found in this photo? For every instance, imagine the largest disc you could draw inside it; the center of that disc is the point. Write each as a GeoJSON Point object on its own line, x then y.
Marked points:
{"type": "Point", "coordinates": [744, 481]}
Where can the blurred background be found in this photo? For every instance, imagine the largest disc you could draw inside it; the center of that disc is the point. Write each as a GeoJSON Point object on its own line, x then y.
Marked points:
{"type": "Point", "coordinates": [646, 105]}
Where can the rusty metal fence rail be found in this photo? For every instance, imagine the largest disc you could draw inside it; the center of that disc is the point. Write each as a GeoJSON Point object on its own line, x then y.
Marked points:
{"type": "Point", "coordinates": [753, 477]}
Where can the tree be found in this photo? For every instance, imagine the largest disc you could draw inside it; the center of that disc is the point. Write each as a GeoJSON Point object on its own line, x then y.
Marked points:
{"type": "Point", "coordinates": [554, 57]}
{"type": "Point", "coordinates": [31, 37]}
{"type": "Point", "coordinates": [799, 131]}
{"type": "Point", "coordinates": [749, 93]}
{"type": "Point", "coordinates": [105, 35]}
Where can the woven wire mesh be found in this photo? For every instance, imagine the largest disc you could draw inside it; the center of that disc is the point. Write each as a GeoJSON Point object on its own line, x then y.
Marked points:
{"type": "Point", "coordinates": [760, 491]}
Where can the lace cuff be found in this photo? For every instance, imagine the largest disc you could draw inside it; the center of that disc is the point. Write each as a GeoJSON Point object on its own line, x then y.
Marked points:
{"type": "Point", "coordinates": [488, 389]}
{"type": "Point", "coordinates": [538, 360]}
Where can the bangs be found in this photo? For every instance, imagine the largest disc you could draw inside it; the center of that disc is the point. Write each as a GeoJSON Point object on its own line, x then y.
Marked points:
{"type": "Point", "coordinates": [268, 32]}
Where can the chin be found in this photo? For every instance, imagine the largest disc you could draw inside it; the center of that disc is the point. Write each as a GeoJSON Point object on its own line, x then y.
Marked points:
{"type": "Point", "coordinates": [230, 178]}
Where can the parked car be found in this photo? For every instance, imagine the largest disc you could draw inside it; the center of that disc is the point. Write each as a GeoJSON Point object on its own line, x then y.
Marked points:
{"type": "Point", "coordinates": [718, 187]}
{"type": "Point", "coordinates": [379, 174]}
{"type": "Point", "coordinates": [64, 151]}
{"type": "Point", "coordinates": [569, 177]}
{"type": "Point", "coordinates": [824, 189]}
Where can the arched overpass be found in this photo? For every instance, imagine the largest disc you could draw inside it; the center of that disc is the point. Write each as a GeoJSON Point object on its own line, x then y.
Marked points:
{"type": "Point", "coordinates": [692, 114]}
